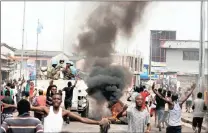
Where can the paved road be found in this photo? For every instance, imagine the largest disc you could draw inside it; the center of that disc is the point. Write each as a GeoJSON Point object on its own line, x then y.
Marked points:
{"type": "Point", "coordinates": [76, 127]}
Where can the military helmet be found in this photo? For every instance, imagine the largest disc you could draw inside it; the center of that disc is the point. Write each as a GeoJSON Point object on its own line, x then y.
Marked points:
{"type": "Point", "coordinates": [54, 62]}
{"type": "Point", "coordinates": [70, 62]}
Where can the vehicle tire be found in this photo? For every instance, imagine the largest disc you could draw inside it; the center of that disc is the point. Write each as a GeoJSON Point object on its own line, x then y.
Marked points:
{"type": "Point", "coordinates": [85, 113]}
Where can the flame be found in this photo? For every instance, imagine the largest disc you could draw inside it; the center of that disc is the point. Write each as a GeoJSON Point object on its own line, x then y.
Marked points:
{"type": "Point", "coordinates": [116, 109]}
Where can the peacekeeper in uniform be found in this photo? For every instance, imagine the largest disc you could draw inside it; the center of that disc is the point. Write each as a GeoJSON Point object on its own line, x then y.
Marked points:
{"type": "Point", "coordinates": [67, 72]}
{"type": "Point", "coordinates": [54, 72]}
{"type": "Point", "coordinates": [60, 66]}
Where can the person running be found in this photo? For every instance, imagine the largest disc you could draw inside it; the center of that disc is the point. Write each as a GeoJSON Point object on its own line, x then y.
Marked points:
{"type": "Point", "coordinates": [175, 110]}
{"type": "Point", "coordinates": [23, 123]}
{"type": "Point", "coordinates": [7, 112]}
{"type": "Point", "coordinates": [199, 109]}
{"type": "Point", "coordinates": [53, 121]}
{"type": "Point", "coordinates": [39, 101]}
{"type": "Point", "coordinates": [137, 116]}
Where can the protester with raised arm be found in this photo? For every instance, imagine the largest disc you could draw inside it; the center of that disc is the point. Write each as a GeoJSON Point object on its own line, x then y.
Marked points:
{"type": "Point", "coordinates": [175, 110]}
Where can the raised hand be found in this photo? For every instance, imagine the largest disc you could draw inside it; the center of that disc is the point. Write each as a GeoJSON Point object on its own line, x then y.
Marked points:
{"type": "Point", "coordinates": [153, 85]}
{"type": "Point", "coordinates": [193, 86]}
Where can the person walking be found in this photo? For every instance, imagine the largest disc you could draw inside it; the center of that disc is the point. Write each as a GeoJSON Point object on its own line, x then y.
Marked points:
{"type": "Point", "coordinates": [175, 110]}
{"type": "Point", "coordinates": [199, 109]}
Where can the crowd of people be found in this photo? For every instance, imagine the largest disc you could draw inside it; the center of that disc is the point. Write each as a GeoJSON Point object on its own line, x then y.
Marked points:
{"type": "Point", "coordinates": [48, 114]}
{"type": "Point", "coordinates": [22, 96]}
{"type": "Point", "coordinates": [166, 107]}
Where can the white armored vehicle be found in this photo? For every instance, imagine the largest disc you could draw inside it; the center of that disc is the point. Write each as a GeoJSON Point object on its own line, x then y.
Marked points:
{"type": "Point", "coordinates": [80, 102]}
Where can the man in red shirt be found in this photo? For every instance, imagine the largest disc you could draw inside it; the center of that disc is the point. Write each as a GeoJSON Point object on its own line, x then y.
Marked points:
{"type": "Point", "coordinates": [144, 94]}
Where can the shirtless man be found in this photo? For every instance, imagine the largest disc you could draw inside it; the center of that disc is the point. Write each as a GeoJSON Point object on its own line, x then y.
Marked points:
{"type": "Point", "coordinates": [54, 115]}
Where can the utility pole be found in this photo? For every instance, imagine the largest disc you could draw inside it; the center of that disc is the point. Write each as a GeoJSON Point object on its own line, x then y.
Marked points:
{"type": "Point", "coordinates": [202, 49]}
{"type": "Point", "coordinates": [201, 81]}
{"type": "Point", "coordinates": [36, 67]}
{"type": "Point", "coordinates": [64, 26]}
{"type": "Point", "coordinates": [23, 35]}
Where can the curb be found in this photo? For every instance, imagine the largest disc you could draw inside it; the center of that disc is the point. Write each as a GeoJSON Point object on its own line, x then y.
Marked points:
{"type": "Point", "coordinates": [190, 122]}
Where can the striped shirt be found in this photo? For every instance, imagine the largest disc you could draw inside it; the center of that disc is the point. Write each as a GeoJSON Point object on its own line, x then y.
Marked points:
{"type": "Point", "coordinates": [22, 124]}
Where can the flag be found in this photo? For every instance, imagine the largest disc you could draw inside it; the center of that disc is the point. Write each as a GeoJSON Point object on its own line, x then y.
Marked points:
{"type": "Point", "coordinates": [39, 28]}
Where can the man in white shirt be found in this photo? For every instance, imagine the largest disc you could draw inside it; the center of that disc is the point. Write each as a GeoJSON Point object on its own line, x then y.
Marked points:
{"type": "Point", "coordinates": [199, 108]}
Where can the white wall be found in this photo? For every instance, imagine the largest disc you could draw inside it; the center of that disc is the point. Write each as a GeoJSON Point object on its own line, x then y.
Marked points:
{"type": "Point", "coordinates": [175, 62]}
{"type": "Point", "coordinates": [6, 51]}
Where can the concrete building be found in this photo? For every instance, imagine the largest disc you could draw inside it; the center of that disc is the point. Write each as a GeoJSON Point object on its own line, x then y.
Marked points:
{"type": "Point", "coordinates": [8, 62]}
{"type": "Point", "coordinates": [182, 56]}
{"type": "Point", "coordinates": [158, 53]}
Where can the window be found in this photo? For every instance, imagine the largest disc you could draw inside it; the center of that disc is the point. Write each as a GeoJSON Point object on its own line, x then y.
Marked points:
{"type": "Point", "coordinates": [44, 63]}
{"type": "Point", "coordinates": [191, 55]}
{"type": "Point", "coordinates": [37, 62]}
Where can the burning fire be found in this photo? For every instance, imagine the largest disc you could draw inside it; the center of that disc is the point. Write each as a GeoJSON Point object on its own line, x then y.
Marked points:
{"type": "Point", "coordinates": [116, 109]}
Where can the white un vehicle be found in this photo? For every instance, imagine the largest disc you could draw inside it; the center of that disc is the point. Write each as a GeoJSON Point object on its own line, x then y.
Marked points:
{"type": "Point", "coordinates": [80, 101]}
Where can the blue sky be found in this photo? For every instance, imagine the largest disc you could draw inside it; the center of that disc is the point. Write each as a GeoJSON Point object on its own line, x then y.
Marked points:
{"type": "Point", "coordinates": [180, 16]}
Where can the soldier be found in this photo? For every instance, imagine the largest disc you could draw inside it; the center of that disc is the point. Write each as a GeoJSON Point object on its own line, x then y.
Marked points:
{"type": "Point", "coordinates": [67, 72]}
{"type": "Point", "coordinates": [61, 64]}
{"type": "Point", "coordinates": [54, 72]}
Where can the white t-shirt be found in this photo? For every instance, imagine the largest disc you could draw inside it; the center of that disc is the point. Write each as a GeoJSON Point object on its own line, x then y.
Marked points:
{"type": "Point", "coordinates": [199, 108]}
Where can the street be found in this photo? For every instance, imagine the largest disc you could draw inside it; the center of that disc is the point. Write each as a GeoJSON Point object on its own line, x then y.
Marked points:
{"type": "Point", "coordinates": [75, 127]}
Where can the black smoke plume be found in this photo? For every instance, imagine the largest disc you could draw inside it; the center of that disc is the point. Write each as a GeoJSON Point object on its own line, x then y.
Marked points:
{"type": "Point", "coordinates": [96, 43]}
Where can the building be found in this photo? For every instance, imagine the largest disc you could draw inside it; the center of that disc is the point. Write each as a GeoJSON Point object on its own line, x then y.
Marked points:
{"type": "Point", "coordinates": [182, 56]}
{"type": "Point", "coordinates": [29, 61]}
{"type": "Point", "coordinates": [158, 53]}
{"type": "Point", "coordinates": [29, 56]}
{"type": "Point", "coordinates": [8, 62]}
{"type": "Point", "coordinates": [132, 61]}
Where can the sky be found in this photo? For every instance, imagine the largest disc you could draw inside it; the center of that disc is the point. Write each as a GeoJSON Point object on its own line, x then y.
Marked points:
{"type": "Point", "coordinates": [182, 17]}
